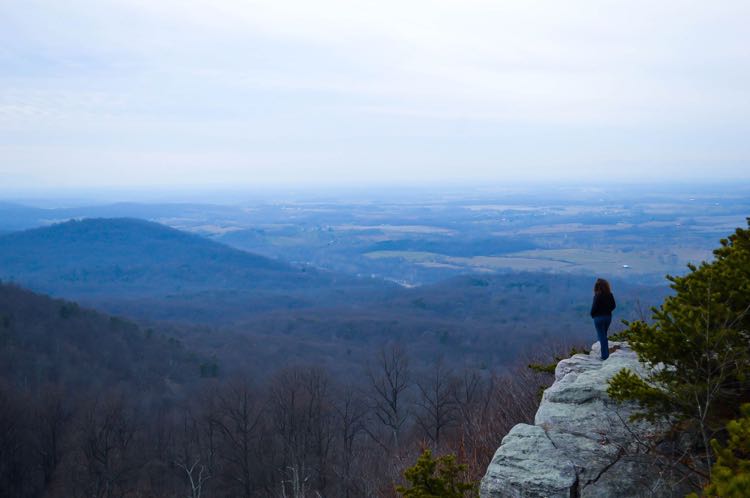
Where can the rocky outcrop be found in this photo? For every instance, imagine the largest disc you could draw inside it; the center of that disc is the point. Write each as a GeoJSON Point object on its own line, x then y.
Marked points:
{"type": "Point", "coordinates": [582, 443]}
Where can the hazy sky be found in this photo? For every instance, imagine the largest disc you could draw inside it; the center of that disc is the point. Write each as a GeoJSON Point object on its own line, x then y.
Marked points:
{"type": "Point", "coordinates": [188, 92]}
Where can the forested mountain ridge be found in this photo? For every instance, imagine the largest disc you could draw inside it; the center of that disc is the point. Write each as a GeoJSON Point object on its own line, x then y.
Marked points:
{"type": "Point", "coordinates": [125, 256]}
{"type": "Point", "coordinates": [53, 341]}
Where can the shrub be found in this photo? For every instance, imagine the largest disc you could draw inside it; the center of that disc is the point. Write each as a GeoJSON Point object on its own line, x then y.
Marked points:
{"type": "Point", "coordinates": [730, 477]}
{"type": "Point", "coordinates": [697, 348]}
{"type": "Point", "coordinates": [436, 478]}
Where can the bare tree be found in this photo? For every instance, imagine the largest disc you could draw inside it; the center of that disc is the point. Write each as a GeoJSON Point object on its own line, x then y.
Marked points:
{"type": "Point", "coordinates": [106, 442]}
{"type": "Point", "coordinates": [15, 464]}
{"type": "Point", "coordinates": [487, 407]}
{"type": "Point", "coordinates": [237, 417]}
{"type": "Point", "coordinates": [302, 414]}
{"type": "Point", "coordinates": [389, 381]}
{"type": "Point", "coordinates": [51, 418]}
{"type": "Point", "coordinates": [469, 390]}
{"type": "Point", "coordinates": [297, 482]}
{"type": "Point", "coordinates": [197, 475]}
{"type": "Point", "coordinates": [437, 402]}
{"type": "Point", "coordinates": [194, 455]}
{"type": "Point", "coordinates": [351, 417]}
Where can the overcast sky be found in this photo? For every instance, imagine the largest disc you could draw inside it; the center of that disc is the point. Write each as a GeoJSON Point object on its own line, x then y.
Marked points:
{"type": "Point", "coordinates": [134, 93]}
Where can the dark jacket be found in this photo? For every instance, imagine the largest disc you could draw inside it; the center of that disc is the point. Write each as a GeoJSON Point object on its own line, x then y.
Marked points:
{"type": "Point", "coordinates": [603, 305]}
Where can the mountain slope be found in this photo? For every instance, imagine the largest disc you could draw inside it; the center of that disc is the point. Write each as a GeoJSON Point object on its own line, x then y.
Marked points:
{"type": "Point", "coordinates": [51, 341]}
{"type": "Point", "coordinates": [130, 257]}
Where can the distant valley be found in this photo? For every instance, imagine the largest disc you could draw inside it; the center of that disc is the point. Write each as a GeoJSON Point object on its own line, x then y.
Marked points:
{"type": "Point", "coordinates": [250, 311]}
{"type": "Point", "coordinates": [211, 333]}
{"type": "Point", "coordinates": [631, 233]}
{"type": "Point", "coordinates": [477, 278]}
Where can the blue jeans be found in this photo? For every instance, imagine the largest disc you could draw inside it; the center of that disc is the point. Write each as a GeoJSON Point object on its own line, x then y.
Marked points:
{"type": "Point", "coordinates": [602, 326]}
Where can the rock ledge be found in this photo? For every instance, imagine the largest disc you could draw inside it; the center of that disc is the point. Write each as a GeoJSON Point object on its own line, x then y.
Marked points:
{"type": "Point", "coordinates": [582, 443]}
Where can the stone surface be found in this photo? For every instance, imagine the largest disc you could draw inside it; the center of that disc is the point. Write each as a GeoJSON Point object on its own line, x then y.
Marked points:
{"type": "Point", "coordinates": [538, 468]}
{"type": "Point", "coordinates": [582, 443]}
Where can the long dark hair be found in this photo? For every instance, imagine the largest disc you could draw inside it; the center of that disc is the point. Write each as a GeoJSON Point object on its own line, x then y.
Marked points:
{"type": "Point", "coordinates": [602, 287]}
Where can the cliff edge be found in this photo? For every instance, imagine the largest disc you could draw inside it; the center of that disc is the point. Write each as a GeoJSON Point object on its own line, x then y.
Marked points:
{"type": "Point", "coordinates": [582, 443]}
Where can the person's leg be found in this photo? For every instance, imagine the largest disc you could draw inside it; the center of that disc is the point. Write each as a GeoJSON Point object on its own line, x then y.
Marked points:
{"type": "Point", "coordinates": [601, 322]}
{"type": "Point", "coordinates": [607, 321]}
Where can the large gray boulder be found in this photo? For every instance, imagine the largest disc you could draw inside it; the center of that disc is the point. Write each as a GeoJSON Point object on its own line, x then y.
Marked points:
{"type": "Point", "coordinates": [582, 443]}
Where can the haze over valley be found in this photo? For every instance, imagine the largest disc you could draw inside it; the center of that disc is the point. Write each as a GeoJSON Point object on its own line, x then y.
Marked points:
{"type": "Point", "coordinates": [458, 275]}
{"type": "Point", "coordinates": [335, 249]}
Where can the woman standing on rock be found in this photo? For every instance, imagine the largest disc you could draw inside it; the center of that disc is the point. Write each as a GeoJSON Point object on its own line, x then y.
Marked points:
{"type": "Point", "coordinates": [601, 312]}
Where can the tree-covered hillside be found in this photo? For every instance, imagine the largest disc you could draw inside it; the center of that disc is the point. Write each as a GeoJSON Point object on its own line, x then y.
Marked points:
{"type": "Point", "coordinates": [52, 341]}
{"type": "Point", "coordinates": [93, 405]}
{"type": "Point", "coordinates": [130, 257]}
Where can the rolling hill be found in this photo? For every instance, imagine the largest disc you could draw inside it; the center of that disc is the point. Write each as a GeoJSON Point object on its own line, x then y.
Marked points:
{"type": "Point", "coordinates": [147, 270]}
{"type": "Point", "coordinates": [134, 257]}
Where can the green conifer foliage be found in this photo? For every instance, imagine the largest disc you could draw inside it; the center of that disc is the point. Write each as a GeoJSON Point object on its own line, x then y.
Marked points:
{"type": "Point", "coordinates": [436, 478]}
{"type": "Point", "coordinates": [698, 347]}
{"type": "Point", "coordinates": [731, 472]}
